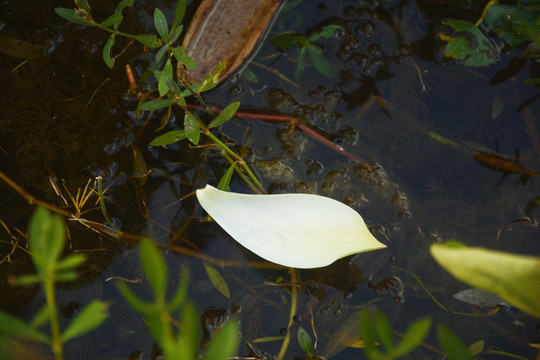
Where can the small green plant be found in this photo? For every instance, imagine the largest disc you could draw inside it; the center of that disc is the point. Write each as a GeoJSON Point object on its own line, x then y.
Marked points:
{"type": "Point", "coordinates": [307, 47]}
{"type": "Point", "coordinates": [47, 237]}
{"type": "Point", "coordinates": [183, 342]}
{"type": "Point", "coordinates": [380, 331]}
{"type": "Point", "coordinates": [514, 24]}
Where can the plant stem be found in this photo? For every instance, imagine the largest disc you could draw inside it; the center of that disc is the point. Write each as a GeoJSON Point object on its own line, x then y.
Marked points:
{"type": "Point", "coordinates": [56, 340]}
{"type": "Point", "coordinates": [294, 305]}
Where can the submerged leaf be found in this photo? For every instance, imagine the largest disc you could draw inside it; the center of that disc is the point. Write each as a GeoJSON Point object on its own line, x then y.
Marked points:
{"type": "Point", "coordinates": [515, 278]}
{"type": "Point", "coordinates": [295, 230]}
{"type": "Point", "coordinates": [217, 280]}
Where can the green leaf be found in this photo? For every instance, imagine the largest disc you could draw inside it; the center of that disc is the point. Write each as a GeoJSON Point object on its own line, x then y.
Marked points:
{"type": "Point", "coordinates": [66, 276]}
{"type": "Point", "coordinates": [225, 344]}
{"type": "Point", "coordinates": [416, 333]}
{"type": "Point", "coordinates": [191, 126]}
{"type": "Point", "coordinates": [149, 40]}
{"type": "Point", "coordinates": [154, 267]}
{"type": "Point", "coordinates": [183, 58]}
{"type": "Point", "coordinates": [318, 60]}
{"type": "Point", "coordinates": [71, 262]}
{"type": "Point", "coordinates": [225, 115]}
{"type": "Point", "coordinates": [114, 19]}
{"type": "Point", "coordinates": [211, 80]}
{"type": "Point", "coordinates": [384, 331]}
{"type": "Point", "coordinates": [327, 31]}
{"type": "Point", "coordinates": [249, 75]}
{"type": "Point", "coordinates": [305, 342]}
{"type": "Point", "coordinates": [157, 104]}
{"type": "Point", "coordinates": [477, 347]}
{"type": "Point", "coordinates": [515, 278]}
{"type": "Point", "coordinates": [181, 293]}
{"type": "Point", "coordinates": [137, 304]}
{"type": "Point", "coordinates": [71, 15]}
{"type": "Point", "coordinates": [175, 34]}
{"type": "Point", "coordinates": [188, 346]}
{"type": "Point", "coordinates": [160, 23]}
{"type": "Point", "coordinates": [513, 24]}
{"type": "Point", "coordinates": [92, 316]}
{"type": "Point", "coordinates": [225, 180]}
{"type": "Point", "coordinates": [217, 280]}
{"type": "Point", "coordinates": [169, 138]}
{"type": "Point", "coordinates": [454, 348]}
{"type": "Point", "coordinates": [165, 78]}
{"type": "Point", "coordinates": [179, 13]}
{"type": "Point", "coordinates": [12, 327]}
{"type": "Point", "coordinates": [284, 41]}
{"type": "Point", "coordinates": [47, 237]}
{"type": "Point", "coordinates": [482, 53]}
{"type": "Point", "coordinates": [123, 4]}
{"type": "Point", "coordinates": [107, 51]}
{"type": "Point", "coordinates": [369, 337]}
{"type": "Point", "coordinates": [41, 317]}
{"type": "Point", "coordinates": [25, 280]}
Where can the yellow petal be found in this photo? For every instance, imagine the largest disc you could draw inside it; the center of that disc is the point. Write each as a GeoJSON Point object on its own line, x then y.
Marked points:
{"type": "Point", "coordinates": [295, 230]}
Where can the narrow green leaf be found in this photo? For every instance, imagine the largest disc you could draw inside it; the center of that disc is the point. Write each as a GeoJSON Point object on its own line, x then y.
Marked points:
{"type": "Point", "coordinates": [90, 317]}
{"type": "Point", "coordinates": [211, 80]}
{"type": "Point", "coordinates": [71, 262]}
{"type": "Point", "coordinates": [318, 60]}
{"type": "Point", "coordinates": [366, 325]}
{"type": "Point", "coordinates": [157, 104]}
{"type": "Point", "coordinates": [163, 85]}
{"type": "Point", "coordinates": [13, 327]}
{"type": "Point", "coordinates": [41, 317]}
{"type": "Point", "coordinates": [225, 180]}
{"type": "Point", "coordinates": [107, 51]}
{"type": "Point", "coordinates": [454, 348]}
{"type": "Point", "coordinates": [122, 4]}
{"type": "Point", "coordinates": [477, 347]}
{"type": "Point", "coordinates": [217, 280]}
{"type": "Point", "coordinates": [327, 32]}
{"type": "Point", "coordinates": [181, 293]}
{"type": "Point", "coordinates": [160, 23]}
{"type": "Point", "coordinates": [26, 280]}
{"type": "Point", "coordinates": [225, 344]}
{"type": "Point", "coordinates": [169, 138]}
{"type": "Point", "coordinates": [191, 126]}
{"type": "Point", "coordinates": [188, 345]}
{"type": "Point", "coordinates": [415, 334]}
{"type": "Point", "coordinates": [154, 267]}
{"type": "Point", "coordinates": [149, 40]}
{"type": "Point", "coordinates": [249, 75]}
{"type": "Point", "coordinates": [179, 13]}
{"type": "Point", "coordinates": [47, 237]}
{"type": "Point", "coordinates": [225, 115]}
{"type": "Point", "coordinates": [284, 41]}
{"type": "Point", "coordinates": [71, 15]}
{"type": "Point", "coordinates": [66, 276]}
{"type": "Point", "coordinates": [384, 331]}
{"type": "Point", "coordinates": [183, 58]}
{"type": "Point", "coordinates": [114, 19]}
{"type": "Point", "coordinates": [133, 301]}
{"type": "Point", "coordinates": [305, 342]}
{"type": "Point", "coordinates": [175, 34]}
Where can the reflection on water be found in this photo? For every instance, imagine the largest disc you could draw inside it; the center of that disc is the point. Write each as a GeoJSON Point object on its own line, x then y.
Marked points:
{"type": "Point", "coordinates": [392, 101]}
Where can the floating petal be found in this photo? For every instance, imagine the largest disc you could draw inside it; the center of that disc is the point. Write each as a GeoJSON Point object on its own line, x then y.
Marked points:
{"type": "Point", "coordinates": [295, 230]}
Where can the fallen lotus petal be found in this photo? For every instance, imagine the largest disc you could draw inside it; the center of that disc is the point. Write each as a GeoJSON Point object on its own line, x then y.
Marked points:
{"type": "Point", "coordinates": [295, 230]}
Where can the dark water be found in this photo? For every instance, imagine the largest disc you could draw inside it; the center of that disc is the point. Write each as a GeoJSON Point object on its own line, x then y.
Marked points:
{"type": "Point", "coordinates": [67, 115]}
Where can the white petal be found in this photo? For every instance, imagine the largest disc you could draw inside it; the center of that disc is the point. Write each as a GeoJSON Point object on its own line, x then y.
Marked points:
{"type": "Point", "coordinates": [294, 230]}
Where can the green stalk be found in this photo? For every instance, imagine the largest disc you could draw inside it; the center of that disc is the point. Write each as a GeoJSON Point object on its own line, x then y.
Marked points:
{"type": "Point", "coordinates": [102, 201]}
{"type": "Point", "coordinates": [56, 340]}
{"type": "Point", "coordinates": [294, 305]}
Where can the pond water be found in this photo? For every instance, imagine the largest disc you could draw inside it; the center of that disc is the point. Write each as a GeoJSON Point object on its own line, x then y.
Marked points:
{"type": "Point", "coordinates": [390, 99]}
